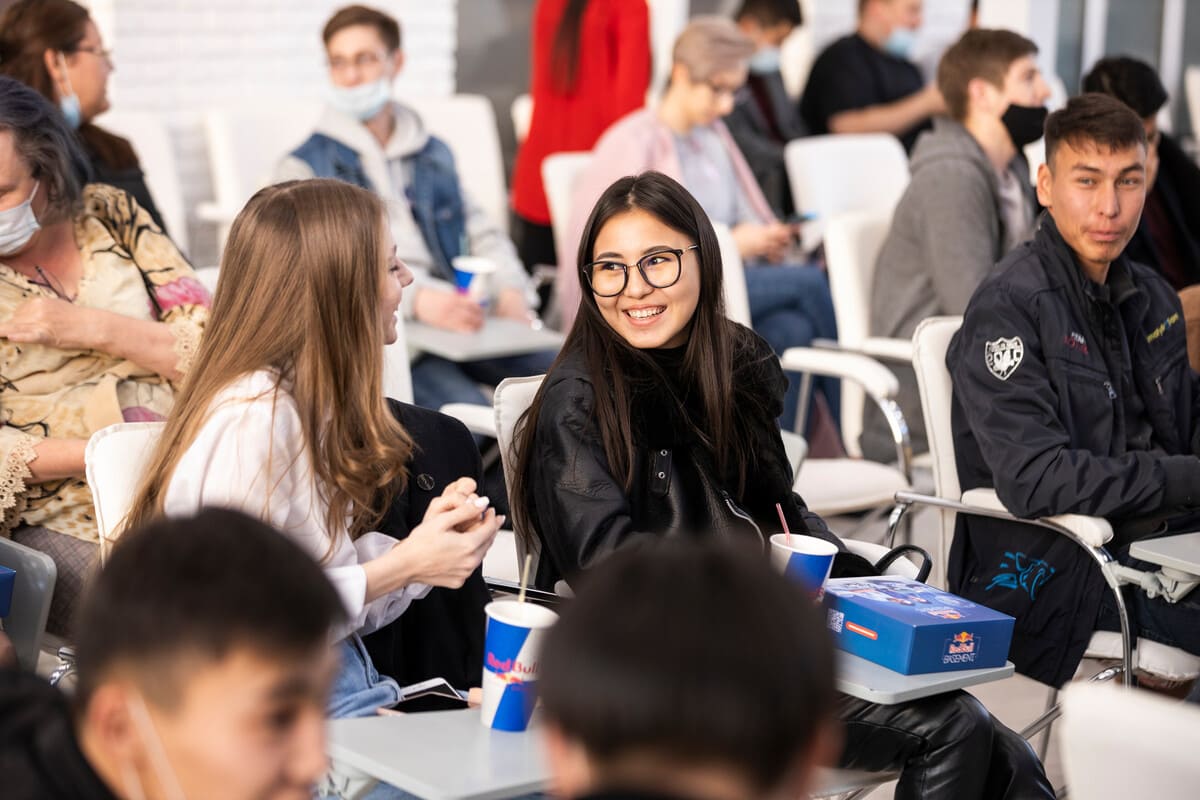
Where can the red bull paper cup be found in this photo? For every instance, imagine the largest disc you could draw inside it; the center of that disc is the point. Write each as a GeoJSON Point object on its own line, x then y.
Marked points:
{"type": "Point", "coordinates": [511, 652]}
{"type": "Point", "coordinates": [472, 277]}
{"type": "Point", "coordinates": [805, 559]}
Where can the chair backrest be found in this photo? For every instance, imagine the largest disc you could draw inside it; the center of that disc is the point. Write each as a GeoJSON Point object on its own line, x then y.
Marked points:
{"type": "Point", "coordinates": [797, 55]}
{"type": "Point", "coordinates": [33, 588]}
{"type": "Point", "coordinates": [115, 459]}
{"type": "Point", "coordinates": [208, 277]}
{"type": "Point", "coordinates": [397, 369]}
{"type": "Point", "coordinates": [467, 124]}
{"type": "Point", "coordinates": [737, 299]}
{"type": "Point", "coordinates": [151, 138]}
{"type": "Point", "coordinates": [852, 243]}
{"type": "Point", "coordinates": [560, 172]}
{"type": "Point", "coordinates": [511, 399]}
{"type": "Point", "coordinates": [522, 115]}
{"type": "Point", "coordinates": [846, 172]}
{"type": "Point", "coordinates": [1119, 743]}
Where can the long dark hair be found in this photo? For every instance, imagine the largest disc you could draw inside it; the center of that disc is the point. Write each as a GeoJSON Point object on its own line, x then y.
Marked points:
{"type": "Point", "coordinates": [609, 360]}
{"type": "Point", "coordinates": [28, 29]}
{"type": "Point", "coordinates": [565, 59]}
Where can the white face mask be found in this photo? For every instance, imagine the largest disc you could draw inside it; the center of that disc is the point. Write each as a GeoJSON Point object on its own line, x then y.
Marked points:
{"type": "Point", "coordinates": [363, 101]}
{"type": "Point", "coordinates": [18, 225]}
{"type": "Point", "coordinates": [167, 779]}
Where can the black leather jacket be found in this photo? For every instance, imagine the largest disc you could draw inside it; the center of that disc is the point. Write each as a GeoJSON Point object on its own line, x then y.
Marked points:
{"type": "Point", "coordinates": [581, 508]}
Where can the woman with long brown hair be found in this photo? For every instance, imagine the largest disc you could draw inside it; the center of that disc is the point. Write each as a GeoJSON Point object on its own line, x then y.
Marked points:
{"type": "Point", "coordinates": [54, 47]}
{"type": "Point", "coordinates": [284, 417]}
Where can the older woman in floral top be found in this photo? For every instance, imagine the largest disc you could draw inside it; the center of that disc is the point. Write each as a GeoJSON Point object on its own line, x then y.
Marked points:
{"type": "Point", "coordinates": [99, 315]}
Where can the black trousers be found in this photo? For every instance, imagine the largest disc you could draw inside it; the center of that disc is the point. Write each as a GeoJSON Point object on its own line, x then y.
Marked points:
{"type": "Point", "coordinates": [947, 747]}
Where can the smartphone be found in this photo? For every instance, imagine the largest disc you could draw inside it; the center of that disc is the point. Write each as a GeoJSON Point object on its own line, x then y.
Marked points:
{"type": "Point", "coordinates": [435, 694]}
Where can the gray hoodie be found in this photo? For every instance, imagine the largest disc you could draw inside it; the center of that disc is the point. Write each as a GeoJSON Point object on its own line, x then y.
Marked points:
{"type": "Point", "coordinates": [947, 233]}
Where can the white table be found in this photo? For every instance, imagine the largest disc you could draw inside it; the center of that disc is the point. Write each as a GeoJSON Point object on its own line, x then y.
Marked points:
{"type": "Point", "coordinates": [441, 755]}
{"type": "Point", "coordinates": [1181, 552]}
{"type": "Point", "coordinates": [867, 680]}
{"type": "Point", "coordinates": [497, 338]}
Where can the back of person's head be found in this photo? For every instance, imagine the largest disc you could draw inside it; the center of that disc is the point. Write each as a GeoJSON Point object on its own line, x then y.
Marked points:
{"type": "Point", "coordinates": [771, 13]}
{"type": "Point", "coordinates": [180, 593]}
{"type": "Point", "coordinates": [1093, 120]}
{"type": "Point", "coordinates": [28, 28]}
{"type": "Point", "coordinates": [204, 662]}
{"type": "Point", "coordinates": [1133, 82]}
{"type": "Point", "coordinates": [299, 293]}
{"type": "Point", "coordinates": [983, 54]}
{"type": "Point", "coordinates": [350, 16]}
{"type": "Point", "coordinates": [711, 46]}
{"type": "Point", "coordinates": [681, 657]}
{"type": "Point", "coordinates": [45, 145]}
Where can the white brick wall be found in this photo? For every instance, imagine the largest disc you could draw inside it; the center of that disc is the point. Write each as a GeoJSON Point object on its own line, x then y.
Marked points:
{"type": "Point", "coordinates": [180, 57]}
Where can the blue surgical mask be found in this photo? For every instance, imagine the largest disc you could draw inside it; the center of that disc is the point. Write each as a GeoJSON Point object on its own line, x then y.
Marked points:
{"type": "Point", "coordinates": [765, 61]}
{"type": "Point", "coordinates": [17, 226]}
{"type": "Point", "coordinates": [363, 101]}
{"type": "Point", "coordinates": [71, 110]}
{"type": "Point", "coordinates": [900, 42]}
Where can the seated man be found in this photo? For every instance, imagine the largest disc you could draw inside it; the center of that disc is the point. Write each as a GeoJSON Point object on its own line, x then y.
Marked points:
{"type": "Point", "coordinates": [865, 83]}
{"type": "Point", "coordinates": [1073, 394]}
{"type": "Point", "coordinates": [367, 139]}
{"type": "Point", "coordinates": [969, 202]}
{"type": "Point", "coordinates": [764, 118]}
{"type": "Point", "coordinates": [193, 680]}
{"type": "Point", "coordinates": [624, 720]}
{"type": "Point", "coordinates": [1168, 236]}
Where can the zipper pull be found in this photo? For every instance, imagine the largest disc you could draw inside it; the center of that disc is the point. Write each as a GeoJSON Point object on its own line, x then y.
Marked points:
{"type": "Point", "coordinates": [1112, 393]}
{"type": "Point", "coordinates": [1158, 383]}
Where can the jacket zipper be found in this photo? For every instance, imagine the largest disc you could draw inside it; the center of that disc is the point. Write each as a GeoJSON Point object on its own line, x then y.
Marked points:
{"type": "Point", "coordinates": [737, 512]}
{"type": "Point", "coordinates": [1112, 393]}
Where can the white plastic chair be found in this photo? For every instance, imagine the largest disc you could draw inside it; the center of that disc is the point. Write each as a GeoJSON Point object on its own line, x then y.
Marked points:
{"type": "Point", "coordinates": [836, 173]}
{"type": "Point", "coordinates": [151, 139]}
{"type": "Point", "coordinates": [467, 124]}
{"type": "Point", "coordinates": [33, 589]}
{"type": "Point", "coordinates": [115, 458]}
{"type": "Point", "coordinates": [522, 114]}
{"type": "Point", "coordinates": [930, 344]}
{"type": "Point", "coordinates": [1119, 744]}
{"type": "Point", "coordinates": [560, 172]}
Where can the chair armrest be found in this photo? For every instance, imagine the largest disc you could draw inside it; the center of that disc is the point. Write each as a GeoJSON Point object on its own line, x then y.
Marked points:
{"type": "Point", "coordinates": [1092, 531]}
{"type": "Point", "coordinates": [891, 349]}
{"type": "Point", "coordinates": [480, 420]}
{"type": "Point", "coordinates": [215, 213]}
{"type": "Point", "coordinates": [876, 379]}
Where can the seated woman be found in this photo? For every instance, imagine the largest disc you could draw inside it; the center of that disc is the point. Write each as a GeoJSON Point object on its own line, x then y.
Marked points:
{"type": "Point", "coordinates": [99, 316]}
{"type": "Point", "coordinates": [684, 138]}
{"type": "Point", "coordinates": [286, 420]}
{"type": "Point", "coordinates": [53, 46]}
{"type": "Point", "coordinates": [659, 419]}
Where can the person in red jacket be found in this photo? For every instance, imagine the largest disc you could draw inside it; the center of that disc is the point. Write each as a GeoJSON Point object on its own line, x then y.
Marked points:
{"type": "Point", "coordinates": [590, 67]}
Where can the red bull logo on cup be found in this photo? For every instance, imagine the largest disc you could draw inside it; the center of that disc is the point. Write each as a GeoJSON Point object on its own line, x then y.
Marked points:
{"type": "Point", "coordinates": [962, 648]}
{"type": "Point", "coordinates": [511, 670]}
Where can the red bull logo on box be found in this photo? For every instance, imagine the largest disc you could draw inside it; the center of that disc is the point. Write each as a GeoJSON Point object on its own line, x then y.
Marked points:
{"type": "Point", "coordinates": [961, 649]}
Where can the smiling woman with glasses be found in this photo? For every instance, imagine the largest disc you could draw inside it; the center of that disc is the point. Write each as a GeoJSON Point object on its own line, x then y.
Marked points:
{"type": "Point", "coordinates": [659, 269]}
{"type": "Point", "coordinates": [54, 47]}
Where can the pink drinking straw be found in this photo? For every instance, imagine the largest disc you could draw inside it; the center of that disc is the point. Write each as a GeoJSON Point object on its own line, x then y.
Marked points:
{"type": "Point", "coordinates": [783, 521]}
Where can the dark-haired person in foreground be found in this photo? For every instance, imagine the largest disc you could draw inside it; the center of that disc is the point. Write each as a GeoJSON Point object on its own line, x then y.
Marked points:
{"type": "Point", "coordinates": [654, 685]}
{"type": "Point", "coordinates": [1168, 235]}
{"type": "Point", "coordinates": [1073, 395]}
{"type": "Point", "coordinates": [193, 681]}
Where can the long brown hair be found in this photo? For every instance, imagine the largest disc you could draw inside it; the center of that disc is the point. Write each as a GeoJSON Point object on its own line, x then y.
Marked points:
{"type": "Point", "coordinates": [299, 293]}
{"type": "Point", "coordinates": [28, 28]}
{"type": "Point", "coordinates": [708, 354]}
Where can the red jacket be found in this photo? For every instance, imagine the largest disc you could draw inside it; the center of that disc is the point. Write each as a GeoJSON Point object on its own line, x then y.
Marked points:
{"type": "Point", "coordinates": [611, 77]}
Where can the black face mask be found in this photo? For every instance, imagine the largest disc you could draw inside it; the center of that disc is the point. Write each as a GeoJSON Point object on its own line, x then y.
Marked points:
{"type": "Point", "coordinates": [1025, 124]}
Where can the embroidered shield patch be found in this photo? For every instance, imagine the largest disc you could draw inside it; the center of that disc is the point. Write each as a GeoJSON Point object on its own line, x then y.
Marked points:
{"type": "Point", "coordinates": [1003, 356]}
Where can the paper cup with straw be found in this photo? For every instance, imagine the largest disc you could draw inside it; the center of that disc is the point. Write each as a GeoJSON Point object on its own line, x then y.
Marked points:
{"type": "Point", "coordinates": [512, 650]}
{"type": "Point", "coordinates": [805, 559]}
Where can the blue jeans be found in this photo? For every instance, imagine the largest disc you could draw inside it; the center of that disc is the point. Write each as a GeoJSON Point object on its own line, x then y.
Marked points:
{"type": "Point", "coordinates": [790, 306]}
{"type": "Point", "coordinates": [358, 688]}
{"type": "Point", "coordinates": [437, 381]}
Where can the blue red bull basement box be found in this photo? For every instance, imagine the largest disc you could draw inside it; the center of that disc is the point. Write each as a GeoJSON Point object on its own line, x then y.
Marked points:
{"type": "Point", "coordinates": [913, 628]}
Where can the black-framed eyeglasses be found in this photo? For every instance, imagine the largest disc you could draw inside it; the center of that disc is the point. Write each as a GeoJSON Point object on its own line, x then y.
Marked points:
{"type": "Point", "coordinates": [102, 52]}
{"type": "Point", "coordinates": [659, 269]}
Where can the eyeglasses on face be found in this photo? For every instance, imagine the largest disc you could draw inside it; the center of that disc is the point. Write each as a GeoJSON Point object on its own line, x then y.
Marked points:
{"type": "Point", "coordinates": [660, 269]}
{"type": "Point", "coordinates": [362, 60]}
{"type": "Point", "coordinates": [96, 50]}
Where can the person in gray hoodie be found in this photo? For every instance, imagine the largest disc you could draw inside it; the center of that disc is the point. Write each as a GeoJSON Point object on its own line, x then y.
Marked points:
{"type": "Point", "coordinates": [968, 203]}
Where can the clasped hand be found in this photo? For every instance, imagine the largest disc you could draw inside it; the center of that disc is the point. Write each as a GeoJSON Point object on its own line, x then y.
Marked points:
{"type": "Point", "coordinates": [51, 321]}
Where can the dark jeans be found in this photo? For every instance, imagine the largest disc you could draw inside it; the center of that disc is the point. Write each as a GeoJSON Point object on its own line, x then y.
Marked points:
{"type": "Point", "coordinates": [947, 747]}
{"type": "Point", "coordinates": [790, 306]}
{"type": "Point", "coordinates": [437, 381]}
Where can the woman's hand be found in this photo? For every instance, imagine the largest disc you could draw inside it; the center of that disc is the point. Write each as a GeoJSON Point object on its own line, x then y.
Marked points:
{"type": "Point", "coordinates": [54, 322]}
{"type": "Point", "coordinates": [446, 548]}
{"type": "Point", "coordinates": [447, 310]}
{"type": "Point", "coordinates": [768, 241]}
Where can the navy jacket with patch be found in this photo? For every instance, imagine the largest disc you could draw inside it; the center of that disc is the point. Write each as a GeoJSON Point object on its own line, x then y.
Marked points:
{"type": "Point", "coordinates": [1043, 368]}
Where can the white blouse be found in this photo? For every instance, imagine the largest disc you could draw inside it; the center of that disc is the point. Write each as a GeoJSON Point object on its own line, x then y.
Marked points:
{"type": "Point", "coordinates": [250, 455]}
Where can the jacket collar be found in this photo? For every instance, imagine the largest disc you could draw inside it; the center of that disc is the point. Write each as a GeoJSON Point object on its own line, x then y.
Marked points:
{"type": "Point", "coordinates": [408, 138]}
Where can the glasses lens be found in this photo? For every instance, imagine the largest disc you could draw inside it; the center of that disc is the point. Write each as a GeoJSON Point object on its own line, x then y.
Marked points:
{"type": "Point", "coordinates": [607, 278]}
{"type": "Point", "coordinates": [661, 269]}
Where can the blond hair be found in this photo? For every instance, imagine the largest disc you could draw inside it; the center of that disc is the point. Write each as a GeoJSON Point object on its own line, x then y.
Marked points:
{"type": "Point", "coordinates": [709, 45]}
{"type": "Point", "coordinates": [299, 294]}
